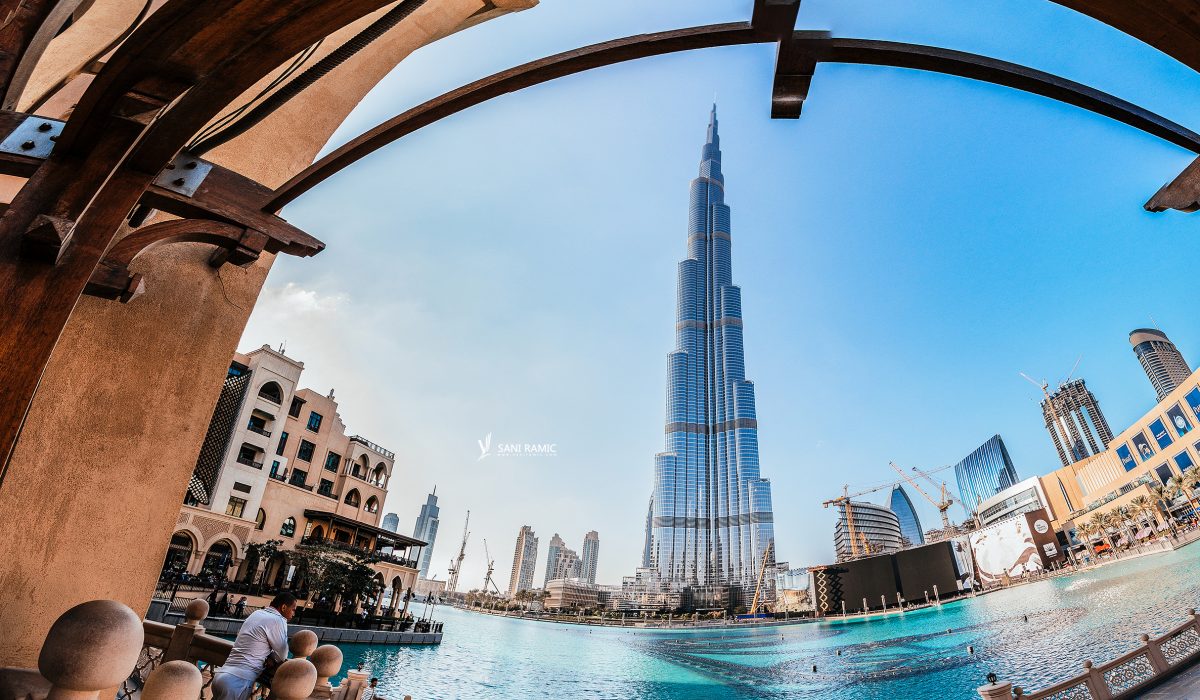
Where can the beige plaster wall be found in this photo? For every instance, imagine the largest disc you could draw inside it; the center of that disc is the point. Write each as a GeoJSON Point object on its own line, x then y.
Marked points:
{"type": "Point", "coordinates": [98, 476]}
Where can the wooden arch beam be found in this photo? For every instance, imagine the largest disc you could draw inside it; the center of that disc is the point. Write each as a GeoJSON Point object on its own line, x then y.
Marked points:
{"type": "Point", "coordinates": [1171, 26]}
{"type": "Point", "coordinates": [799, 57]}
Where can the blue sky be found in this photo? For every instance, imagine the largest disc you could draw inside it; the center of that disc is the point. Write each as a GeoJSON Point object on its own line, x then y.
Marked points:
{"type": "Point", "coordinates": [904, 249]}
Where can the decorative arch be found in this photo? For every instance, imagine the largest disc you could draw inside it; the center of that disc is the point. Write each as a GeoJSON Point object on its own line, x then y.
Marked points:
{"type": "Point", "coordinates": [221, 556]}
{"type": "Point", "coordinates": [260, 520]}
{"type": "Point", "coordinates": [379, 476]}
{"type": "Point", "coordinates": [288, 529]}
{"type": "Point", "coordinates": [179, 552]}
{"type": "Point", "coordinates": [353, 498]}
{"type": "Point", "coordinates": [372, 505]}
{"type": "Point", "coordinates": [271, 391]}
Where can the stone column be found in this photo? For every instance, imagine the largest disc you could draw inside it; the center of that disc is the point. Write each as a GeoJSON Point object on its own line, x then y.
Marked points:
{"type": "Point", "coordinates": [995, 691]}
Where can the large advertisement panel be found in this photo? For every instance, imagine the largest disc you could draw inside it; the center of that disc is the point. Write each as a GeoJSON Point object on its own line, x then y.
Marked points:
{"type": "Point", "coordinates": [1045, 539]}
{"type": "Point", "coordinates": [1006, 550]}
{"type": "Point", "coordinates": [964, 563]}
{"type": "Point", "coordinates": [927, 571]}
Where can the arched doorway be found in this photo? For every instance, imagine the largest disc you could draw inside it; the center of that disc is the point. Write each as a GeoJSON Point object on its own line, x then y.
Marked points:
{"type": "Point", "coordinates": [218, 560]}
{"type": "Point", "coordinates": [179, 554]}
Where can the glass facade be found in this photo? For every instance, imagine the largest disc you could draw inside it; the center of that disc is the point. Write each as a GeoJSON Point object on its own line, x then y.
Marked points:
{"type": "Point", "coordinates": [426, 529]}
{"type": "Point", "coordinates": [867, 529]}
{"type": "Point", "coordinates": [712, 518]}
{"type": "Point", "coordinates": [910, 524]}
{"type": "Point", "coordinates": [984, 473]}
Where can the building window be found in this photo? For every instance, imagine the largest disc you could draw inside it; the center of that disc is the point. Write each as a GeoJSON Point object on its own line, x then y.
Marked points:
{"type": "Point", "coordinates": [306, 451]}
{"type": "Point", "coordinates": [282, 441]}
{"type": "Point", "coordinates": [271, 392]}
{"type": "Point", "coordinates": [294, 409]}
{"type": "Point", "coordinates": [1161, 436]}
{"type": "Point", "coordinates": [353, 499]}
{"type": "Point", "coordinates": [1184, 461]}
{"type": "Point", "coordinates": [239, 486]}
{"type": "Point", "coordinates": [1142, 446]}
{"type": "Point", "coordinates": [235, 507]}
{"type": "Point", "coordinates": [189, 499]}
{"type": "Point", "coordinates": [332, 460]}
{"type": "Point", "coordinates": [274, 467]}
{"type": "Point", "coordinates": [299, 478]}
{"type": "Point", "coordinates": [258, 424]}
{"type": "Point", "coordinates": [1164, 473]}
{"type": "Point", "coordinates": [325, 488]}
{"type": "Point", "coordinates": [372, 505]}
{"type": "Point", "coordinates": [314, 421]}
{"type": "Point", "coordinates": [260, 520]}
{"type": "Point", "coordinates": [289, 528]}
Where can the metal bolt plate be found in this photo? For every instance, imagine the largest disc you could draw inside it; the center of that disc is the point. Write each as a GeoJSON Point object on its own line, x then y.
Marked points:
{"type": "Point", "coordinates": [33, 137]}
{"type": "Point", "coordinates": [184, 174]}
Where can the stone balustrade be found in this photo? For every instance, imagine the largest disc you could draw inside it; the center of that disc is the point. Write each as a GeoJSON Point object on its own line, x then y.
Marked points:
{"type": "Point", "coordinates": [1122, 678]}
{"type": "Point", "coordinates": [102, 646]}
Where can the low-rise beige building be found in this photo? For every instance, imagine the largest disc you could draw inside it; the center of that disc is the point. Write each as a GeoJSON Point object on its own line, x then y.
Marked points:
{"type": "Point", "coordinates": [571, 594]}
{"type": "Point", "coordinates": [277, 464]}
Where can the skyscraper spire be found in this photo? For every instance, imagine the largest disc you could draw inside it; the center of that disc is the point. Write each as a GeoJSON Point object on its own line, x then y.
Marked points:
{"type": "Point", "coordinates": [712, 519]}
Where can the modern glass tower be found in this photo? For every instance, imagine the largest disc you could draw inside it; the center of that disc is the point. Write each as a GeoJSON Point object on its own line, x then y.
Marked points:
{"type": "Point", "coordinates": [1076, 424]}
{"type": "Point", "coordinates": [426, 529]}
{"type": "Point", "coordinates": [910, 524]}
{"type": "Point", "coordinates": [984, 473]}
{"type": "Point", "coordinates": [591, 556]}
{"type": "Point", "coordinates": [712, 515]}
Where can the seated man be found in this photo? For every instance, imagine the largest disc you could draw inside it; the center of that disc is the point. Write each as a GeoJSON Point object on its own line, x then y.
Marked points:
{"type": "Point", "coordinates": [371, 693]}
{"type": "Point", "coordinates": [263, 637]}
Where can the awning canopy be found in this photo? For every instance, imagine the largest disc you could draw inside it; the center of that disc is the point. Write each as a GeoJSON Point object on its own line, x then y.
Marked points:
{"type": "Point", "coordinates": [1144, 532]}
{"type": "Point", "coordinates": [382, 536]}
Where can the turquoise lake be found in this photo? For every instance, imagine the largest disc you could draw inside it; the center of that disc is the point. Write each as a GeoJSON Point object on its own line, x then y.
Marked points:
{"type": "Point", "coordinates": [1095, 615]}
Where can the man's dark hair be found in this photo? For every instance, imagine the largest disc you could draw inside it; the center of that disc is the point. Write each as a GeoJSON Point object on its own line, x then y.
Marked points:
{"type": "Point", "coordinates": [283, 599]}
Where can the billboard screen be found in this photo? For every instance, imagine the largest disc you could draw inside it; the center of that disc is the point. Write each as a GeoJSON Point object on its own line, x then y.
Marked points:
{"type": "Point", "coordinates": [1005, 549]}
{"type": "Point", "coordinates": [923, 568]}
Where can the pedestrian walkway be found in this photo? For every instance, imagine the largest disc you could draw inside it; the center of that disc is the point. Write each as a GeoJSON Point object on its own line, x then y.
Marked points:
{"type": "Point", "coordinates": [1185, 686]}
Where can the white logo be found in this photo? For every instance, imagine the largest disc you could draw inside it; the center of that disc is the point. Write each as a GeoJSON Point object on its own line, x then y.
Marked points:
{"type": "Point", "coordinates": [1041, 527]}
{"type": "Point", "coordinates": [485, 446]}
{"type": "Point", "coordinates": [516, 449]}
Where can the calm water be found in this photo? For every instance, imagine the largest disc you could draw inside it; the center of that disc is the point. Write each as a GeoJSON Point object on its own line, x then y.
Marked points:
{"type": "Point", "coordinates": [1096, 616]}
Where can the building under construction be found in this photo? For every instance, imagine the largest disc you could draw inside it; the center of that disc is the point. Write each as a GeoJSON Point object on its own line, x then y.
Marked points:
{"type": "Point", "coordinates": [865, 529]}
{"type": "Point", "coordinates": [1075, 422]}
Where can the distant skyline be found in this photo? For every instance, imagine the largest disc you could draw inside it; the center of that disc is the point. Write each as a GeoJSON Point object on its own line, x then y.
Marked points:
{"type": "Point", "coordinates": [904, 250]}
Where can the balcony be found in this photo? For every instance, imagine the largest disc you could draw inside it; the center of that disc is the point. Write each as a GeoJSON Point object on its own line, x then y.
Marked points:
{"type": "Point", "coordinates": [362, 551]}
{"type": "Point", "coordinates": [249, 462]}
{"type": "Point", "coordinates": [372, 446]}
{"type": "Point", "coordinates": [258, 429]}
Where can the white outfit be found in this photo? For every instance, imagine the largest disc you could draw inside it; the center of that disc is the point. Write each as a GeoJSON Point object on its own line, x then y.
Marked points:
{"type": "Point", "coordinates": [264, 633]}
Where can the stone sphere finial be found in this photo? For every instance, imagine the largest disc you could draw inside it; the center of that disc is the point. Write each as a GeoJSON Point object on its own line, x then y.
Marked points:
{"type": "Point", "coordinates": [196, 611]}
{"type": "Point", "coordinates": [328, 660]}
{"type": "Point", "coordinates": [1087, 664]}
{"type": "Point", "coordinates": [1144, 638]}
{"type": "Point", "coordinates": [303, 644]}
{"type": "Point", "coordinates": [93, 646]}
{"type": "Point", "coordinates": [173, 680]}
{"type": "Point", "coordinates": [1191, 611]}
{"type": "Point", "coordinates": [294, 680]}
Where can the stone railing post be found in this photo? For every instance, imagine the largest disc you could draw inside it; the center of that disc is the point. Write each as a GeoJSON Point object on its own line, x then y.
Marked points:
{"type": "Point", "coordinates": [328, 661]}
{"type": "Point", "coordinates": [173, 680]}
{"type": "Point", "coordinates": [995, 691]}
{"type": "Point", "coordinates": [353, 686]}
{"type": "Point", "coordinates": [1096, 683]}
{"type": "Point", "coordinates": [186, 631]}
{"type": "Point", "coordinates": [302, 644]}
{"type": "Point", "coordinates": [1154, 652]}
{"type": "Point", "coordinates": [90, 648]}
{"type": "Point", "coordinates": [294, 680]}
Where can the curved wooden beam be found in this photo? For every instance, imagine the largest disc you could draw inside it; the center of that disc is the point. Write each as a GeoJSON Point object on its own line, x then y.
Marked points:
{"type": "Point", "coordinates": [797, 59]}
{"type": "Point", "coordinates": [26, 41]}
{"type": "Point", "coordinates": [807, 49]}
{"type": "Point", "coordinates": [511, 80]}
{"type": "Point", "coordinates": [1171, 26]}
{"type": "Point", "coordinates": [113, 280]}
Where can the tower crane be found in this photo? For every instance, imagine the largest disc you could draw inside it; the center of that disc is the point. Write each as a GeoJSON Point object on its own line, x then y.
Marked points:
{"type": "Point", "coordinates": [942, 505]}
{"type": "Point", "coordinates": [1071, 443]}
{"type": "Point", "coordinates": [843, 501]}
{"type": "Point", "coordinates": [761, 570]}
{"type": "Point", "coordinates": [456, 564]}
{"type": "Point", "coordinates": [491, 566]}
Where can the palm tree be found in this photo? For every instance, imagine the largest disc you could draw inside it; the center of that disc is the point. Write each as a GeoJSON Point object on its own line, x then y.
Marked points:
{"type": "Point", "coordinates": [1099, 522]}
{"type": "Point", "coordinates": [1116, 519]}
{"type": "Point", "coordinates": [1142, 510]}
{"type": "Point", "coordinates": [1189, 481]}
{"type": "Point", "coordinates": [1162, 496]}
{"type": "Point", "coordinates": [1179, 486]}
{"type": "Point", "coordinates": [1085, 531]}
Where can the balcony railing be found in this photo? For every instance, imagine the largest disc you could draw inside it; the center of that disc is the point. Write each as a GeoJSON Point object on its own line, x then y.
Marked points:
{"type": "Point", "coordinates": [383, 556]}
{"type": "Point", "coordinates": [249, 462]}
{"type": "Point", "coordinates": [256, 429]}
{"type": "Point", "coordinates": [377, 448]}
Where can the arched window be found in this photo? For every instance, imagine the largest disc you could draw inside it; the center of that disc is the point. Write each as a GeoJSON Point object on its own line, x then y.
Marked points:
{"type": "Point", "coordinates": [379, 474]}
{"type": "Point", "coordinates": [260, 521]}
{"type": "Point", "coordinates": [362, 467]}
{"type": "Point", "coordinates": [289, 528]}
{"type": "Point", "coordinates": [271, 392]}
{"type": "Point", "coordinates": [372, 505]}
{"type": "Point", "coordinates": [353, 499]}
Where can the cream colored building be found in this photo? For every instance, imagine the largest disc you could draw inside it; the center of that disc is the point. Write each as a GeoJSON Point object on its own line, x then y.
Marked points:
{"type": "Point", "coordinates": [571, 594]}
{"type": "Point", "coordinates": [277, 464]}
{"type": "Point", "coordinates": [1159, 445]}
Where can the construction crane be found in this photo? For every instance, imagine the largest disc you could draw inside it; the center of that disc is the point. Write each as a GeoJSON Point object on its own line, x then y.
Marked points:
{"type": "Point", "coordinates": [491, 566]}
{"type": "Point", "coordinates": [1067, 436]}
{"type": "Point", "coordinates": [761, 570]}
{"type": "Point", "coordinates": [844, 502]}
{"type": "Point", "coordinates": [942, 505]}
{"type": "Point", "coordinates": [456, 564]}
